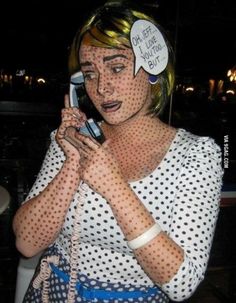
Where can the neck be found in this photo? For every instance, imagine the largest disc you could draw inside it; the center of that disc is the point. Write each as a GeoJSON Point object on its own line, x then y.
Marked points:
{"type": "Point", "coordinates": [138, 124]}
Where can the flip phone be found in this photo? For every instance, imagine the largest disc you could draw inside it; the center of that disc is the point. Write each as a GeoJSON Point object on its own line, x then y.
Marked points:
{"type": "Point", "coordinates": [91, 127]}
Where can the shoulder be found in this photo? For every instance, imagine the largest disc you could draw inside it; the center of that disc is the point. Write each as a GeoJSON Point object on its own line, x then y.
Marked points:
{"type": "Point", "coordinates": [201, 146]}
{"type": "Point", "coordinates": [201, 172]}
{"type": "Point", "coordinates": [202, 155]}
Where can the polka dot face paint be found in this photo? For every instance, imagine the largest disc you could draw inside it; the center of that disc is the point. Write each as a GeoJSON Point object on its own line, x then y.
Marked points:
{"type": "Point", "coordinates": [111, 85]}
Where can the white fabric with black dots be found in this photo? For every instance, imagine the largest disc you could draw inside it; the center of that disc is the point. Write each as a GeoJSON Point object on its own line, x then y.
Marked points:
{"type": "Point", "coordinates": [182, 194]}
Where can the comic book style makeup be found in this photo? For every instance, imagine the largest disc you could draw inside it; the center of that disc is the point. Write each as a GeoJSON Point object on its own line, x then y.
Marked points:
{"type": "Point", "coordinates": [110, 82]}
{"type": "Point", "coordinates": [140, 33]}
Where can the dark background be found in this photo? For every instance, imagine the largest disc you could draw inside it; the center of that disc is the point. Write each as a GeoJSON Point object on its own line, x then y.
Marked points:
{"type": "Point", "coordinates": [35, 37]}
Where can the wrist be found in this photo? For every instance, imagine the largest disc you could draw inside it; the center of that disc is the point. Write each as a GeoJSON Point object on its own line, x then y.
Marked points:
{"type": "Point", "coordinates": [112, 193]}
{"type": "Point", "coordinates": [145, 237]}
{"type": "Point", "coordinates": [72, 163]}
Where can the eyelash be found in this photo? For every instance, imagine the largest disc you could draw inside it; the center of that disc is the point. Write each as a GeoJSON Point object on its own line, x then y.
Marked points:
{"type": "Point", "coordinates": [117, 69]}
{"type": "Point", "coordinates": [89, 76]}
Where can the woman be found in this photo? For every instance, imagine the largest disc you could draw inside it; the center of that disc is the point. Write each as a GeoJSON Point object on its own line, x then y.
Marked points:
{"type": "Point", "coordinates": [131, 219]}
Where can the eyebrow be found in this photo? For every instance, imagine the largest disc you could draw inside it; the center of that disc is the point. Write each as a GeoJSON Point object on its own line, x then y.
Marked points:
{"type": "Point", "coordinates": [87, 63]}
{"type": "Point", "coordinates": [105, 59]}
{"type": "Point", "coordinates": [108, 58]}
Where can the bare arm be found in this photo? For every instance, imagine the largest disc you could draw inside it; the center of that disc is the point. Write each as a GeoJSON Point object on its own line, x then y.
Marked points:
{"type": "Point", "coordinates": [177, 261]}
{"type": "Point", "coordinates": [161, 257]}
{"type": "Point", "coordinates": [38, 221]}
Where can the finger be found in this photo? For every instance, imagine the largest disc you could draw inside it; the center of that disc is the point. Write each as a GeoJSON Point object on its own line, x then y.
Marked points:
{"type": "Point", "coordinates": [70, 132]}
{"type": "Point", "coordinates": [70, 111]}
{"type": "Point", "coordinates": [106, 143]}
{"type": "Point", "coordinates": [70, 114]}
{"type": "Point", "coordinates": [71, 141]}
{"type": "Point", "coordinates": [73, 112]}
{"type": "Point", "coordinates": [68, 117]}
{"type": "Point", "coordinates": [84, 153]}
{"type": "Point", "coordinates": [82, 165]}
{"type": "Point", "coordinates": [76, 122]}
{"type": "Point", "coordinates": [88, 141]}
{"type": "Point", "coordinates": [70, 136]}
{"type": "Point", "coordinates": [63, 127]}
{"type": "Point", "coordinates": [66, 101]}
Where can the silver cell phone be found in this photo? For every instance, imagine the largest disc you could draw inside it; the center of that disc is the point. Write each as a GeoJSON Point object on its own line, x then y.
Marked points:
{"type": "Point", "coordinates": [91, 127]}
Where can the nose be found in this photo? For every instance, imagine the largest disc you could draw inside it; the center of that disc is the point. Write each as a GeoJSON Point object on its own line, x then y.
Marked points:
{"type": "Point", "coordinates": [104, 85]}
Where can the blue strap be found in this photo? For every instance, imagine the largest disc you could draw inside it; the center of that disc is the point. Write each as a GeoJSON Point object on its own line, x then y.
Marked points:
{"type": "Point", "coordinates": [89, 293]}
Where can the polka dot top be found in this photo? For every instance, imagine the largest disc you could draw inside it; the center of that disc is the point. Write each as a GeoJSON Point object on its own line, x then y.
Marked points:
{"type": "Point", "coordinates": [182, 194]}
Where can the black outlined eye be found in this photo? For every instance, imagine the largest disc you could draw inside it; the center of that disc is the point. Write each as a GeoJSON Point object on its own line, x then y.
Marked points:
{"type": "Point", "coordinates": [88, 76]}
{"type": "Point", "coordinates": [117, 68]}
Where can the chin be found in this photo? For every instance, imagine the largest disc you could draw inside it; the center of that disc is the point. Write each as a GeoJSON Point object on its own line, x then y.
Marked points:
{"type": "Point", "coordinates": [112, 121]}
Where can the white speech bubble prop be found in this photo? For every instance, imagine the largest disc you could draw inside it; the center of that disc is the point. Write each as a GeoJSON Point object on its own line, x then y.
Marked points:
{"type": "Point", "coordinates": [149, 47]}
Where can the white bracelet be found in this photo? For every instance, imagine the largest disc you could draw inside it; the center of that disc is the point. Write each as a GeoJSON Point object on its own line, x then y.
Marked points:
{"type": "Point", "coordinates": [145, 237]}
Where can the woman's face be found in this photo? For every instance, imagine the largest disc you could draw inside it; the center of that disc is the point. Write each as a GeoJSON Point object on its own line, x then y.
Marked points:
{"type": "Point", "coordinates": [111, 85]}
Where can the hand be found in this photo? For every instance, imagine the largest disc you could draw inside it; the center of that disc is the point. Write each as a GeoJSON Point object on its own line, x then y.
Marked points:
{"type": "Point", "coordinates": [98, 166]}
{"type": "Point", "coordinates": [72, 118]}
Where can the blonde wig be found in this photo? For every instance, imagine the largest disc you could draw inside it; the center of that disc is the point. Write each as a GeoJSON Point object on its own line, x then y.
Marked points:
{"type": "Point", "coordinates": [109, 26]}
